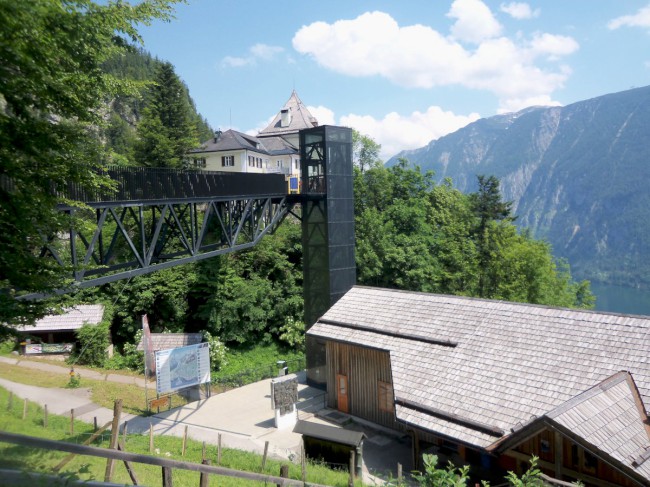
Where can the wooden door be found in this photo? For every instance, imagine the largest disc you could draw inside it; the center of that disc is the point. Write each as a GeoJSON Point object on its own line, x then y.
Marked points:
{"type": "Point", "coordinates": [342, 393]}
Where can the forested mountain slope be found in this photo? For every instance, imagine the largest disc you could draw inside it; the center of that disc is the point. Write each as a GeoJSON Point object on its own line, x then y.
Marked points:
{"type": "Point", "coordinates": [577, 175]}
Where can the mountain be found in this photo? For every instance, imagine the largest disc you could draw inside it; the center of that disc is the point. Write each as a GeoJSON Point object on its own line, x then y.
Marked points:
{"type": "Point", "coordinates": [578, 176]}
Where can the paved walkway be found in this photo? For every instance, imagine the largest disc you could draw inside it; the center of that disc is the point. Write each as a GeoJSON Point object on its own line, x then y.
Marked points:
{"type": "Point", "coordinates": [243, 417]}
{"type": "Point", "coordinates": [63, 369]}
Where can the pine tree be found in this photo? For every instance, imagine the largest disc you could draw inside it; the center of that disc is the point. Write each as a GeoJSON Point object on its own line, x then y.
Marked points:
{"type": "Point", "coordinates": [166, 131]}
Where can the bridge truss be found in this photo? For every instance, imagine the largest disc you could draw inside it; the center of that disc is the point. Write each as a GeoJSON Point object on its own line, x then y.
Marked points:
{"type": "Point", "coordinates": [180, 218]}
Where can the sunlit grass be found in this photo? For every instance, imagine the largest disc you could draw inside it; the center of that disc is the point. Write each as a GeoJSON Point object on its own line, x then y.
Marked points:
{"type": "Point", "coordinates": [92, 468]}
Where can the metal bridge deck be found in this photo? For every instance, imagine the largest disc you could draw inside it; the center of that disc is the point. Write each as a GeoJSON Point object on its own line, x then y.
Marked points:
{"type": "Point", "coordinates": [159, 218]}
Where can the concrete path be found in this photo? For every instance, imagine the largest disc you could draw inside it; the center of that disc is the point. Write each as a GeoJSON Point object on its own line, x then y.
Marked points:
{"type": "Point", "coordinates": [243, 417]}
{"type": "Point", "coordinates": [83, 371]}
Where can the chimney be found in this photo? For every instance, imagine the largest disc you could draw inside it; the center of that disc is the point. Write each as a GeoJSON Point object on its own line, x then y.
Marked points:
{"type": "Point", "coordinates": [285, 117]}
{"type": "Point", "coordinates": [217, 136]}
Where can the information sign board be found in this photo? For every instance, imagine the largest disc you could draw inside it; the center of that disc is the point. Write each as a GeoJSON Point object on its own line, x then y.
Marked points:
{"type": "Point", "coordinates": [179, 368]}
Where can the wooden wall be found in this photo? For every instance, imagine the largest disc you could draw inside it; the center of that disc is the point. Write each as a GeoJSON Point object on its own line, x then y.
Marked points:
{"type": "Point", "coordinates": [363, 368]}
{"type": "Point", "coordinates": [576, 462]}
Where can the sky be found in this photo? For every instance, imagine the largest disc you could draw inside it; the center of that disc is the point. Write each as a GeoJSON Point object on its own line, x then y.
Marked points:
{"type": "Point", "coordinates": [406, 72]}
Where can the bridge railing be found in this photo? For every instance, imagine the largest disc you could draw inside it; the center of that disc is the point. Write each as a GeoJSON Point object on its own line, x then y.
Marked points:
{"type": "Point", "coordinates": [143, 183]}
{"type": "Point", "coordinates": [153, 184]}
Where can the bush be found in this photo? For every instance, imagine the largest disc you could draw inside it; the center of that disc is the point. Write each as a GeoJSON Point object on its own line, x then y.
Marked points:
{"type": "Point", "coordinates": [94, 341]}
{"type": "Point", "coordinates": [293, 333]}
{"type": "Point", "coordinates": [217, 351]}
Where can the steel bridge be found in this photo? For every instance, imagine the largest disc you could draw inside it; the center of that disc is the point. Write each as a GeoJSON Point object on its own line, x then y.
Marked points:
{"type": "Point", "coordinates": [159, 218]}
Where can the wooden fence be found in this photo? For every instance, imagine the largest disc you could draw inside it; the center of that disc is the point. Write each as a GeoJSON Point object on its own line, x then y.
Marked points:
{"type": "Point", "coordinates": [167, 465]}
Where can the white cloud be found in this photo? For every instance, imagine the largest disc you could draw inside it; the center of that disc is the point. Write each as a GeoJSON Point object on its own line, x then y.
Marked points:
{"type": "Point", "coordinates": [265, 52]}
{"type": "Point", "coordinates": [474, 21]}
{"type": "Point", "coordinates": [639, 19]}
{"type": "Point", "coordinates": [519, 10]}
{"type": "Point", "coordinates": [556, 45]}
{"type": "Point", "coordinates": [396, 132]}
{"type": "Point", "coordinates": [418, 56]}
{"type": "Point", "coordinates": [257, 52]}
{"type": "Point", "coordinates": [324, 115]}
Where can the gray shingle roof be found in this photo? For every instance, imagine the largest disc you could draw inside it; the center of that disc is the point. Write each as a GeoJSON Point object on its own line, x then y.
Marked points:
{"type": "Point", "coordinates": [232, 140]}
{"type": "Point", "coordinates": [300, 118]}
{"type": "Point", "coordinates": [165, 341]}
{"type": "Point", "coordinates": [72, 319]}
{"type": "Point", "coordinates": [608, 417]}
{"type": "Point", "coordinates": [512, 361]}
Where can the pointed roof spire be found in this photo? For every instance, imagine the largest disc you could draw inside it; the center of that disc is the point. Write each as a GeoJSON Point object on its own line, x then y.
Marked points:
{"type": "Point", "coordinates": [293, 117]}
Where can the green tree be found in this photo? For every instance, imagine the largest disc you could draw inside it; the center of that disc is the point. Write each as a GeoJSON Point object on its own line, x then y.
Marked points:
{"type": "Point", "coordinates": [51, 89]}
{"type": "Point", "coordinates": [166, 131]}
{"type": "Point", "coordinates": [249, 296]}
{"type": "Point", "coordinates": [365, 151]}
{"type": "Point", "coordinates": [490, 211]}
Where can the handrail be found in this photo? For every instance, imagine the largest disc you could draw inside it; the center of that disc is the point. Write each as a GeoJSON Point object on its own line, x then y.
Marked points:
{"type": "Point", "coordinates": [94, 451]}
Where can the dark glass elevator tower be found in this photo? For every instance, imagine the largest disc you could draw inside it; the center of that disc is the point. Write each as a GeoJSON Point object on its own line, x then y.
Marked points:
{"type": "Point", "coordinates": [329, 268]}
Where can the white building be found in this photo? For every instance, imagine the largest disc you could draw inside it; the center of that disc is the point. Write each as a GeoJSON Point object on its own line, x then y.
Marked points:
{"type": "Point", "coordinates": [275, 149]}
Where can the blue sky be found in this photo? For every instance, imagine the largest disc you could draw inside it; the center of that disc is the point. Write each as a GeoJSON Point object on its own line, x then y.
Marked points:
{"type": "Point", "coordinates": [402, 72]}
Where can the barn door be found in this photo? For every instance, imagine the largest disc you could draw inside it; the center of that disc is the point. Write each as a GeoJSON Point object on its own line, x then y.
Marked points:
{"type": "Point", "coordinates": [342, 393]}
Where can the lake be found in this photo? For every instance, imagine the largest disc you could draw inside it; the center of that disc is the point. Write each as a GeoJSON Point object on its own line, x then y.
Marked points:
{"type": "Point", "coordinates": [621, 299]}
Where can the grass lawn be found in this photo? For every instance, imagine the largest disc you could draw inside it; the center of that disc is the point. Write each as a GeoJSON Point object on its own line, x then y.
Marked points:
{"type": "Point", "coordinates": [102, 392]}
{"type": "Point", "coordinates": [87, 468]}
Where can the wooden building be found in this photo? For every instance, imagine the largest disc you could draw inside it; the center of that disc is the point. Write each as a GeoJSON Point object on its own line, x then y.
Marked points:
{"type": "Point", "coordinates": [491, 383]}
{"type": "Point", "coordinates": [56, 334]}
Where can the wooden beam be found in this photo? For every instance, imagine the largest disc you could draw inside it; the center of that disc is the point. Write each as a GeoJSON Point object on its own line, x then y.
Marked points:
{"type": "Point", "coordinates": [559, 447]}
{"type": "Point", "coordinates": [115, 433]}
{"type": "Point", "coordinates": [31, 442]}
{"type": "Point", "coordinates": [67, 459]}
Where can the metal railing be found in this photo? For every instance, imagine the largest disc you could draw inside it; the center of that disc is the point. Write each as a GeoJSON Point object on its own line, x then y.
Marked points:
{"type": "Point", "coordinates": [146, 184]}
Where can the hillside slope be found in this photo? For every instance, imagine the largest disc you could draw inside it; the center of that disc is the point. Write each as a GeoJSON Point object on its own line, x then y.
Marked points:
{"type": "Point", "coordinates": [577, 175]}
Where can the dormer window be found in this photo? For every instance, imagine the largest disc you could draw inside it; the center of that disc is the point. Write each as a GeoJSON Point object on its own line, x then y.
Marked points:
{"type": "Point", "coordinates": [285, 117]}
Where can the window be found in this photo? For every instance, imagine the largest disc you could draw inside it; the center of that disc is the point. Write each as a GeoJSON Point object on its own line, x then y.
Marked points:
{"type": "Point", "coordinates": [296, 163]}
{"type": "Point", "coordinates": [259, 162]}
{"type": "Point", "coordinates": [591, 462]}
{"type": "Point", "coordinates": [385, 396]}
{"type": "Point", "coordinates": [200, 162]}
{"type": "Point", "coordinates": [228, 161]}
{"type": "Point", "coordinates": [251, 161]}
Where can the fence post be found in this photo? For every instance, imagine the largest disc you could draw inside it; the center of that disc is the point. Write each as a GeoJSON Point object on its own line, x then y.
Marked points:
{"type": "Point", "coordinates": [205, 479]}
{"type": "Point", "coordinates": [399, 473]}
{"type": "Point", "coordinates": [150, 437]}
{"type": "Point", "coordinates": [115, 431]}
{"type": "Point", "coordinates": [303, 461]}
{"type": "Point", "coordinates": [71, 422]}
{"type": "Point", "coordinates": [266, 451]}
{"type": "Point", "coordinates": [24, 409]}
{"type": "Point", "coordinates": [184, 442]}
{"type": "Point", "coordinates": [167, 477]}
{"type": "Point", "coordinates": [352, 461]}
{"type": "Point", "coordinates": [219, 449]}
{"type": "Point", "coordinates": [284, 472]}
{"type": "Point", "coordinates": [45, 416]}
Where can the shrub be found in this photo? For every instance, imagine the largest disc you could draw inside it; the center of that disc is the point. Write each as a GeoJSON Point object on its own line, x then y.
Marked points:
{"type": "Point", "coordinates": [217, 351]}
{"type": "Point", "coordinates": [93, 340]}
